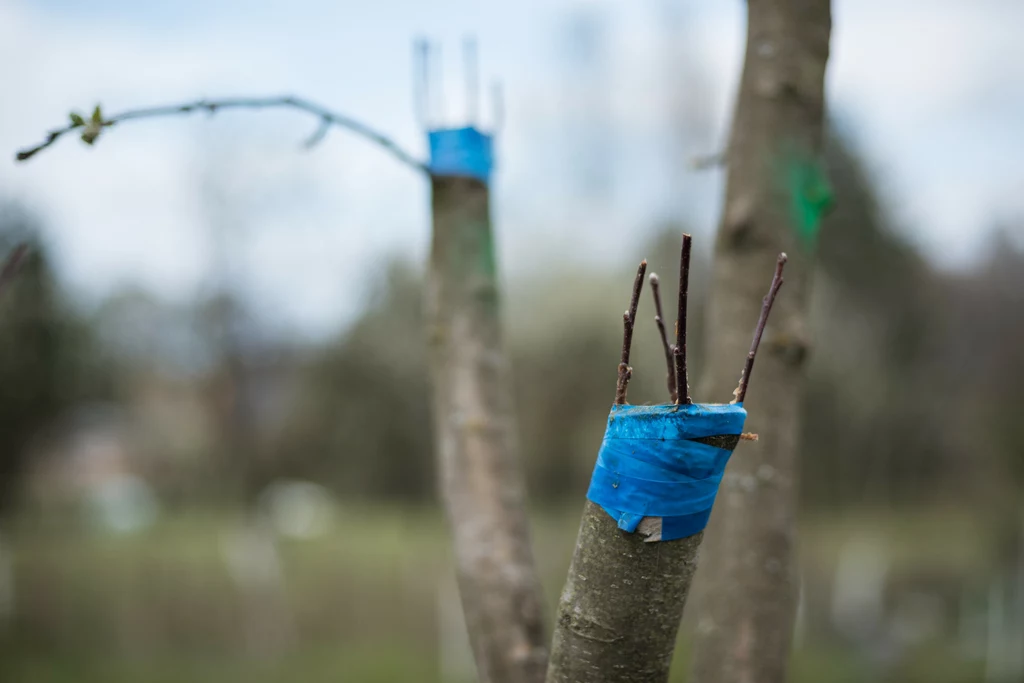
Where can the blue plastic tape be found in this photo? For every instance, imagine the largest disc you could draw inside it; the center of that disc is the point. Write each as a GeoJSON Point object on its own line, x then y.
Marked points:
{"type": "Point", "coordinates": [461, 152]}
{"type": "Point", "coordinates": [650, 466]}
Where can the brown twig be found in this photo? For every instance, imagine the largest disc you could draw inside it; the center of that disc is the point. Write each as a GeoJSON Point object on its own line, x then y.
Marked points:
{"type": "Point", "coordinates": [766, 307]}
{"type": "Point", "coordinates": [327, 119]}
{"type": "Point", "coordinates": [679, 350]}
{"type": "Point", "coordinates": [628, 321]}
{"type": "Point", "coordinates": [659, 319]}
{"type": "Point", "coordinates": [12, 265]}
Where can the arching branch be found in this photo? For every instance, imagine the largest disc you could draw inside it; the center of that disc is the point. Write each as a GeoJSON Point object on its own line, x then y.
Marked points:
{"type": "Point", "coordinates": [91, 127]}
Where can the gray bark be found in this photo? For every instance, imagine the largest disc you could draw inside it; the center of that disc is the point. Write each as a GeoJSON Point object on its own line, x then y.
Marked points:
{"type": "Point", "coordinates": [619, 612]}
{"type": "Point", "coordinates": [748, 584]}
{"type": "Point", "coordinates": [481, 480]}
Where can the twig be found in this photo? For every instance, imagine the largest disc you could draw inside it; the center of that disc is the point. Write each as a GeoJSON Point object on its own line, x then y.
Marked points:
{"type": "Point", "coordinates": [12, 265]}
{"type": "Point", "coordinates": [766, 307]}
{"type": "Point", "coordinates": [707, 162]}
{"type": "Point", "coordinates": [659, 319]}
{"type": "Point", "coordinates": [327, 118]}
{"type": "Point", "coordinates": [628, 320]}
{"type": "Point", "coordinates": [679, 350]}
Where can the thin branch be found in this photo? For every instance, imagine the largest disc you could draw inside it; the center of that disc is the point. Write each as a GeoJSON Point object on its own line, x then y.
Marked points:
{"type": "Point", "coordinates": [318, 135]}
{"type": "Point", "coordinates": [498, 106]}
{"type": "Point", "coordinates": [421, 83]}
{"type": "Point", "coordinates": [659, 319]}
{"type": "Point", "coordinates": [706, 162]}
{"type": "Point", "coordinates": [766, 308]}
{"type": "Point", "coordinates": [628, 321]}
{"type": "Point", "coordinates": [679, 350]}
{"type": "Point", "coordinates": [327, 118]}
{"type": "Point", "coordinates": [12, 265]}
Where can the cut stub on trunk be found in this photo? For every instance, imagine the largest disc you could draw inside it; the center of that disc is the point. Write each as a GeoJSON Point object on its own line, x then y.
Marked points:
{"type": "Point", "coordinates": [651, 494]}
{"type": "Point", "coordinates": [659, 468]}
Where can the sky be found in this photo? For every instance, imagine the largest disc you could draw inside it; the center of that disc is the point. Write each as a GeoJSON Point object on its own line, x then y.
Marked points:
{"type": "Point", "coordinates": [588, 153]}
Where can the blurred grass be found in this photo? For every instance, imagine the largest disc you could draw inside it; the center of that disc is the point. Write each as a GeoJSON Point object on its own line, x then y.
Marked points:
{"type": "Point", "coordinates": [380, 664]}
{"type": "Point", "coordinates": [362, 599]}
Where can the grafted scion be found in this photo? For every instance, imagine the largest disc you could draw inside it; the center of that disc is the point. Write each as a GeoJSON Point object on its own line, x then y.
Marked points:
{"type": "Point", "coordinates": [675, 354]}
{"type": "Point", "coordinates": [628, 321]}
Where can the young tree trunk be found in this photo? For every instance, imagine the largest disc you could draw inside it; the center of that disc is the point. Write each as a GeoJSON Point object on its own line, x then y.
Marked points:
{"type": "Point", "coordinates": [481, 481]}
{"type": "Point", "coordinates": [619, 612]}
{"type": "Point", "coordinates": [748, 580]}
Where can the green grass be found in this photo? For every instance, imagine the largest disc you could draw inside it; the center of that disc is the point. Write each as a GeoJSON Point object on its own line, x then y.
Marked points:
{"type": "Point", "coordinates": [378, 664]}
{"type": "Point", "coordinates": [362, 600]}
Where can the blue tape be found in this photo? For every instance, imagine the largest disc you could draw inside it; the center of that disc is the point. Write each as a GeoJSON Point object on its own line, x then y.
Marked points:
{"type": "Point", "coordinates": [649, 465]}
{"type": "Point", "coordinates": [461, 152]}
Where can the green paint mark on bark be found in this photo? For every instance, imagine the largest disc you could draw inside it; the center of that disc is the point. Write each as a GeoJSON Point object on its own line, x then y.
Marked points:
{"type": "Point", "coordinates": [811, 198]}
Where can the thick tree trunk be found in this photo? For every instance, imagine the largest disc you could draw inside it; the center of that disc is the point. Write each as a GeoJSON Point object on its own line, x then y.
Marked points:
{"type": "Point", "coordinates": [481, 481]}
{"type": "Point", "coordinates": [748, 581]}
{"type": "Point", "coordinates": [619, 612]}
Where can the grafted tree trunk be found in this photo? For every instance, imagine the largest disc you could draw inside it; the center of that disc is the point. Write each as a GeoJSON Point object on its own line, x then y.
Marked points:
{"type": "Point", "coordinates": [481, 480]}
{"type": "Point", "coordinates": [619, 612]}
{"type": "Point", "coordinates": [748, 576]}
{"type": "Point", "coordinates": [654, 483]}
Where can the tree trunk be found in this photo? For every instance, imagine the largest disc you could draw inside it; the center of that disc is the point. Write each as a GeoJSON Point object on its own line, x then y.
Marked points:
{"type": "Point", "coordinates": [481, 481]}
{"type": "Point", "coordinates": [748, 584]}
{"type": "Point", "coordinates": [619, 612]}
{"type": "Point", "coordinates": [655, 478]}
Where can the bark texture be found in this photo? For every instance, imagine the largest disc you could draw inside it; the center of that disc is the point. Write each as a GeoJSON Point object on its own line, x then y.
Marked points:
{"type": "Point", "coordinates": [481, 480]}
{"type": "Point", "coordinates": [619, 612]}
{"type": "Point", "coordinates": [749, 580]}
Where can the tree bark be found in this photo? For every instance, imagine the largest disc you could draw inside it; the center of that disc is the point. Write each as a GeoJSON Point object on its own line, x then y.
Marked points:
{"type": "Point", "coordinates": [748, 584]}
{"type": "Point", "coordinates": [619, 612]}
{"type": "Point", "coordinates": [480, 476]}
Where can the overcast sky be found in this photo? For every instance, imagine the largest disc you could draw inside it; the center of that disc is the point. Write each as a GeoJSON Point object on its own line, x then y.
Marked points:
{"type": "Point", "coordinates": [932, 91]}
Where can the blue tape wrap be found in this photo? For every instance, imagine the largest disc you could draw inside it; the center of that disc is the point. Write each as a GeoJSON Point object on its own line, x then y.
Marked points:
{"type": "Point", "coordinates": [461, 152]}
{"type": "Point", "coordinates": [649, 466]}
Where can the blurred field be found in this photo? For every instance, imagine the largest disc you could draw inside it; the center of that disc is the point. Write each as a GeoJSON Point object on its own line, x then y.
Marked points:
{"type": "Point", "coordinates": [361, 601]}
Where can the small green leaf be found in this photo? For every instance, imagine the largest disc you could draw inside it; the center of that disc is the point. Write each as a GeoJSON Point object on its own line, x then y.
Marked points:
{"type": "Point", "coordinates": [91, 132]}
{"type": "Point", "coordinates": [93, 126]}
{"type": "Point", "coordinates": [76, 119]}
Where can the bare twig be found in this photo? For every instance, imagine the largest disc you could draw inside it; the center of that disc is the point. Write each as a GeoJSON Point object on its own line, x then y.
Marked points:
{"type": "Point", "coordinates": [679, 350]}
{"type": "Point", "coordinates": [706, 162]}
{"type": "Point", "coordinates": [327, 119]}
{"type": "Point", "coordinates": [766, 307]}
{"type": "Point", "coordinates": [659, 319]}
{"type": "Point", "coordinates": [12, 264]}
{"type": "Point", "coordinates": [628, 321]}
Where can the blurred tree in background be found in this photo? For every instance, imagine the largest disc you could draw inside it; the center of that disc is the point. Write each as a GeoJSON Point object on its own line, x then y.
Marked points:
{"type": "Point", "coordinates": [904, 356]}
{"type": "Point", "coordinates": [360, 421]}
{"type": "Point", "coordinates": [49, 363]}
